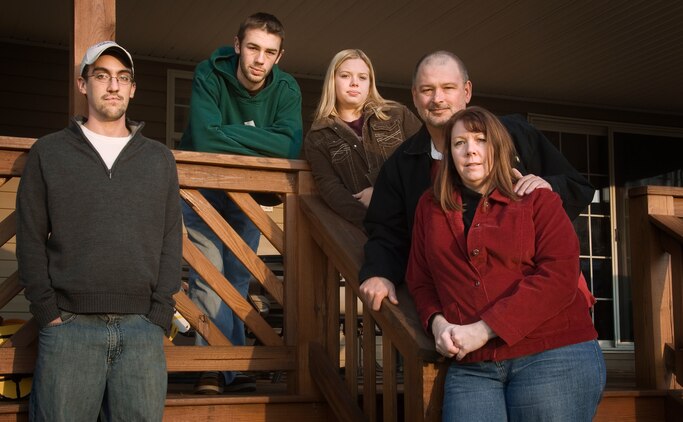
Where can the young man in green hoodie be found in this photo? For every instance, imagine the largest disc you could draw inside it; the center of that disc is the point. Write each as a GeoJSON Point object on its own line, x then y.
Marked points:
{"type": "Point", "coordinates": [243, 104]}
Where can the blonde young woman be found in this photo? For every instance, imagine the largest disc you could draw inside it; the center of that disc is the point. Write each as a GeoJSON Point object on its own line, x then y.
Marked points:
{"type": "Point", "coordinates": [354, 131]}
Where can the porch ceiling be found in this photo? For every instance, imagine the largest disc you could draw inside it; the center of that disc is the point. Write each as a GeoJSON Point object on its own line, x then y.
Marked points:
{"type": "Point", "coordinates": [616, 54]}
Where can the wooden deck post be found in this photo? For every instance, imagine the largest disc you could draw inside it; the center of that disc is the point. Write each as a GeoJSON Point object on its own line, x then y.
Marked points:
{"type": "Point", "coordinates": [651, 287]}
{"type": "Point", "coordinates": [305, 296]}
{"type": "Point", "coordinates": [93, 21]}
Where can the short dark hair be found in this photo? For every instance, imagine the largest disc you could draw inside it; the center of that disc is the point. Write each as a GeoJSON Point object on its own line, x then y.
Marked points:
{"type": "Point", "coordinates": [441, 54]}
{"type": "Point", "coordinates": [264, 21]}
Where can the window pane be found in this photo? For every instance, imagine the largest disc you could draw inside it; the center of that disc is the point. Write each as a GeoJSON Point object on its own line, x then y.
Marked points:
{"type": "Point", "coordinates": [603, 315]}
{"type": "Point", "coordinates": [182, 116]}
{"type": "Point", "coordinates": [600, 234]}
{"type": "Point", "coordinates": [183, 91]}
{"type": "Point", "coordinates": [602, 278]}
{"type": "Point", "coordinates": [586, 270]}
{"type": "Point", "coordinates": [600, 206]}
{"type": "Point", "coordinates": [581, 228]}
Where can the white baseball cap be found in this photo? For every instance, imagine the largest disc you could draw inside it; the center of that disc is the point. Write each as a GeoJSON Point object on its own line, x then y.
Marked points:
{"type": "Point", "coordinates": [96, 51]}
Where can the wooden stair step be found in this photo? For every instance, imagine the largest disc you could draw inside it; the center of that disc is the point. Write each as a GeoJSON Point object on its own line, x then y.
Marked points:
{"type": "Point", "coordinates": [637, 406]}
{"type": "Point", "coordinates": [616, 406]}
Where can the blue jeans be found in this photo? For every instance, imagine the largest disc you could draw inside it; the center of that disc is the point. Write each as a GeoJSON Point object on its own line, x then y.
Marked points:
{"type": "Point", "coordinates": [107, 365]}
{"type": "Point", "coordinates": [563, 384]}
{"type": "Point", "coordinates": [225, 261]}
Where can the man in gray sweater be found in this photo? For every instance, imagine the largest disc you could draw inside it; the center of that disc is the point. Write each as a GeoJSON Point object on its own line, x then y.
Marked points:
{"type": "Point", "coordinates": [99, 253]}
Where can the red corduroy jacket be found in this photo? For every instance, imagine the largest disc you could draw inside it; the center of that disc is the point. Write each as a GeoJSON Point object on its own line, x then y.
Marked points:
{"type": "Point", "coordinates": [517, 270]}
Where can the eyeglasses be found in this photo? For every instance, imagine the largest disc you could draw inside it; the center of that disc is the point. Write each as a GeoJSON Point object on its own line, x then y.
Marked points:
{"type": "Point", "coordinates": [105, 78]}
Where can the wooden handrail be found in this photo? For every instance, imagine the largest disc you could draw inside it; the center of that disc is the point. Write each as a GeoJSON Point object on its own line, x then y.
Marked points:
{"type": "Point", "coordinates": [238, 176]}
{"type": "Point", "coordinates": [669, 224]}
{"type": "Point", "coordinates": [342, 243]}
{"type": "Point", "coordinates": [240, 161]}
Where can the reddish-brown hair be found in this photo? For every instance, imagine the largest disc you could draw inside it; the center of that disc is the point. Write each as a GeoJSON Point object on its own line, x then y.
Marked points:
{"type": "Point", "coordinates": [501, 153]}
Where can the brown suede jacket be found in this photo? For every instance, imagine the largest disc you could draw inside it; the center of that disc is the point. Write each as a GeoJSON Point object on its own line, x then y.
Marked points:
{"type": "Point", "coordinates": [343, 164]}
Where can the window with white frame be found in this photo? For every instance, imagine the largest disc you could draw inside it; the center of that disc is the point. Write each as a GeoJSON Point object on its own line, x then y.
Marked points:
{"type": "Point", "coordinates": [178, 92]}
{"type": "Point", "coordinates": [609, 156]}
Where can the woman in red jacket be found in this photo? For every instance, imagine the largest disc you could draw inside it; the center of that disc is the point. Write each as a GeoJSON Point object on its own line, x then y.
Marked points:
{"type": "Point", "coordinates": [494, 277]}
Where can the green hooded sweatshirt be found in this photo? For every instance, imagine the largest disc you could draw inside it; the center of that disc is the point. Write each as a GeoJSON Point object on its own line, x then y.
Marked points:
{"type": "Point", "coordinates": [225, 118]}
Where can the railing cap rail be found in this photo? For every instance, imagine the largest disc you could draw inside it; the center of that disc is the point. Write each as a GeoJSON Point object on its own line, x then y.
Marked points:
{"type": "Point", "coordinates": [16, 143]}
{"type": "Point", "coordinates": [191, 157]}
{"type": "Point", "coordinates": [259, 163]}
{"type": "Point", "coordinates": [655, 190]}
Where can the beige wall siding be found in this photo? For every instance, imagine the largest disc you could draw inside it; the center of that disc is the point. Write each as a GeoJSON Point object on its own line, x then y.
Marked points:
{"type": "Point", "coordinates": [34, 96]}
{"type": "Point", "coordinates": [18, 307]}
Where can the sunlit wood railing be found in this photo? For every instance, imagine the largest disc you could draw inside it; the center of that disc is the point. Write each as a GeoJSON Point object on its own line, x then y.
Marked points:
{"type": "Point", "coordinates": [282, 349]}
{"type": "Point", "coordinates": [317, 246]}
{"type": "Point", "coordinates": [18, 353]}
{"type": "Point", "coordinates": [319, 249]}
{"type": "Point", "coordinates": [656, 238]}
{"type": "Point", "coordinates": [420, 381]}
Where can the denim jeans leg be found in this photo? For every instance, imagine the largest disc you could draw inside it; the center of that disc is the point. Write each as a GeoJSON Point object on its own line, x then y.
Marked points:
{"type": "Point", "coordinates": [558, 385]}
{"type": "Point", "coordinates": [201, 294]}
{"type": "Point", "coordinates": [233, 269]}
{"type": "Point", "coordinates": [474, 392]}
{"type": "Point", "coordinates": [70, 373]}
{"type": "Point", "coordinates": [563, 384]}
{"type": "Point", "coordinates": [136, 386]}
{"type": "Point", "coordinates": [224, 260]}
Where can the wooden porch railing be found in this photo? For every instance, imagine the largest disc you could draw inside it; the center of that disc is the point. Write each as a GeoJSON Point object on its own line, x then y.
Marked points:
{"type": "Point", "coordinates": [283, 349]}
{"type": "Point", "coordinates": [317, 246]}
{"type": "Point", "coordinates": [656, 230]}
{"type": "Point", "coordinates": [341, 249]}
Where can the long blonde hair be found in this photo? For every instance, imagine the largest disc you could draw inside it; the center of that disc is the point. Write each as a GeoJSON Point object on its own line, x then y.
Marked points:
{"type": "Point", "coordinates": [501, 152]}
{"type": "Point", "coordinates": [327, 106]}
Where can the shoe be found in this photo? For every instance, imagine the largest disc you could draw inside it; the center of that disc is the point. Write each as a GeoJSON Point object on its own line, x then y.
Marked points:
{"type": "Point", "coordinates": [210, 383]}
{"type": "Point", "coordinates": [241, 384]}
{"type": "Point", "coordinates": [260, 303]}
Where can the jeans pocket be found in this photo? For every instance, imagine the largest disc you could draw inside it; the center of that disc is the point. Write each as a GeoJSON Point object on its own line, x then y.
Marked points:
{"type": "Point", "coordinates": [149, 321]}
{"type": "Point", "coordinates": [67, 317]}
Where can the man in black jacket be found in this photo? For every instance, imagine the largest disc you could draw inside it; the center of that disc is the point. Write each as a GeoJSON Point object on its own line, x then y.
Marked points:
{"type": "Point", "coordinates": [441, 87]}
{"type": "Point", "coordinates": [99, 253]}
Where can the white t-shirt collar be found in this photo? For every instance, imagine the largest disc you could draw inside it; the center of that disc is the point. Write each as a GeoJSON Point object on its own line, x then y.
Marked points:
{"type": "Point", "coordinates": [436, 155]}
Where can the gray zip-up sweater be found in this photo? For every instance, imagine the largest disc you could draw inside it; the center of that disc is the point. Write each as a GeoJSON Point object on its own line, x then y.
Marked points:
{"type": "Point", "coordinates": [91, 240]}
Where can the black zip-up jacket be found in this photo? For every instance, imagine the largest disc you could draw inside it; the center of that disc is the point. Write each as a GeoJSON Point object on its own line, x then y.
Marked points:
{"type": "Point", "coordinates": [93, 241]}
{"type": "Point", "coordinates": [406, 175]}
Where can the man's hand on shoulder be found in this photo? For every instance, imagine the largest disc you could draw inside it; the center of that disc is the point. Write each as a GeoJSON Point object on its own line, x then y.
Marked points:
{"type": "Point", "coordinates": [527, 184]}
{"type": "Point", "coordinates": [374, 289]}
